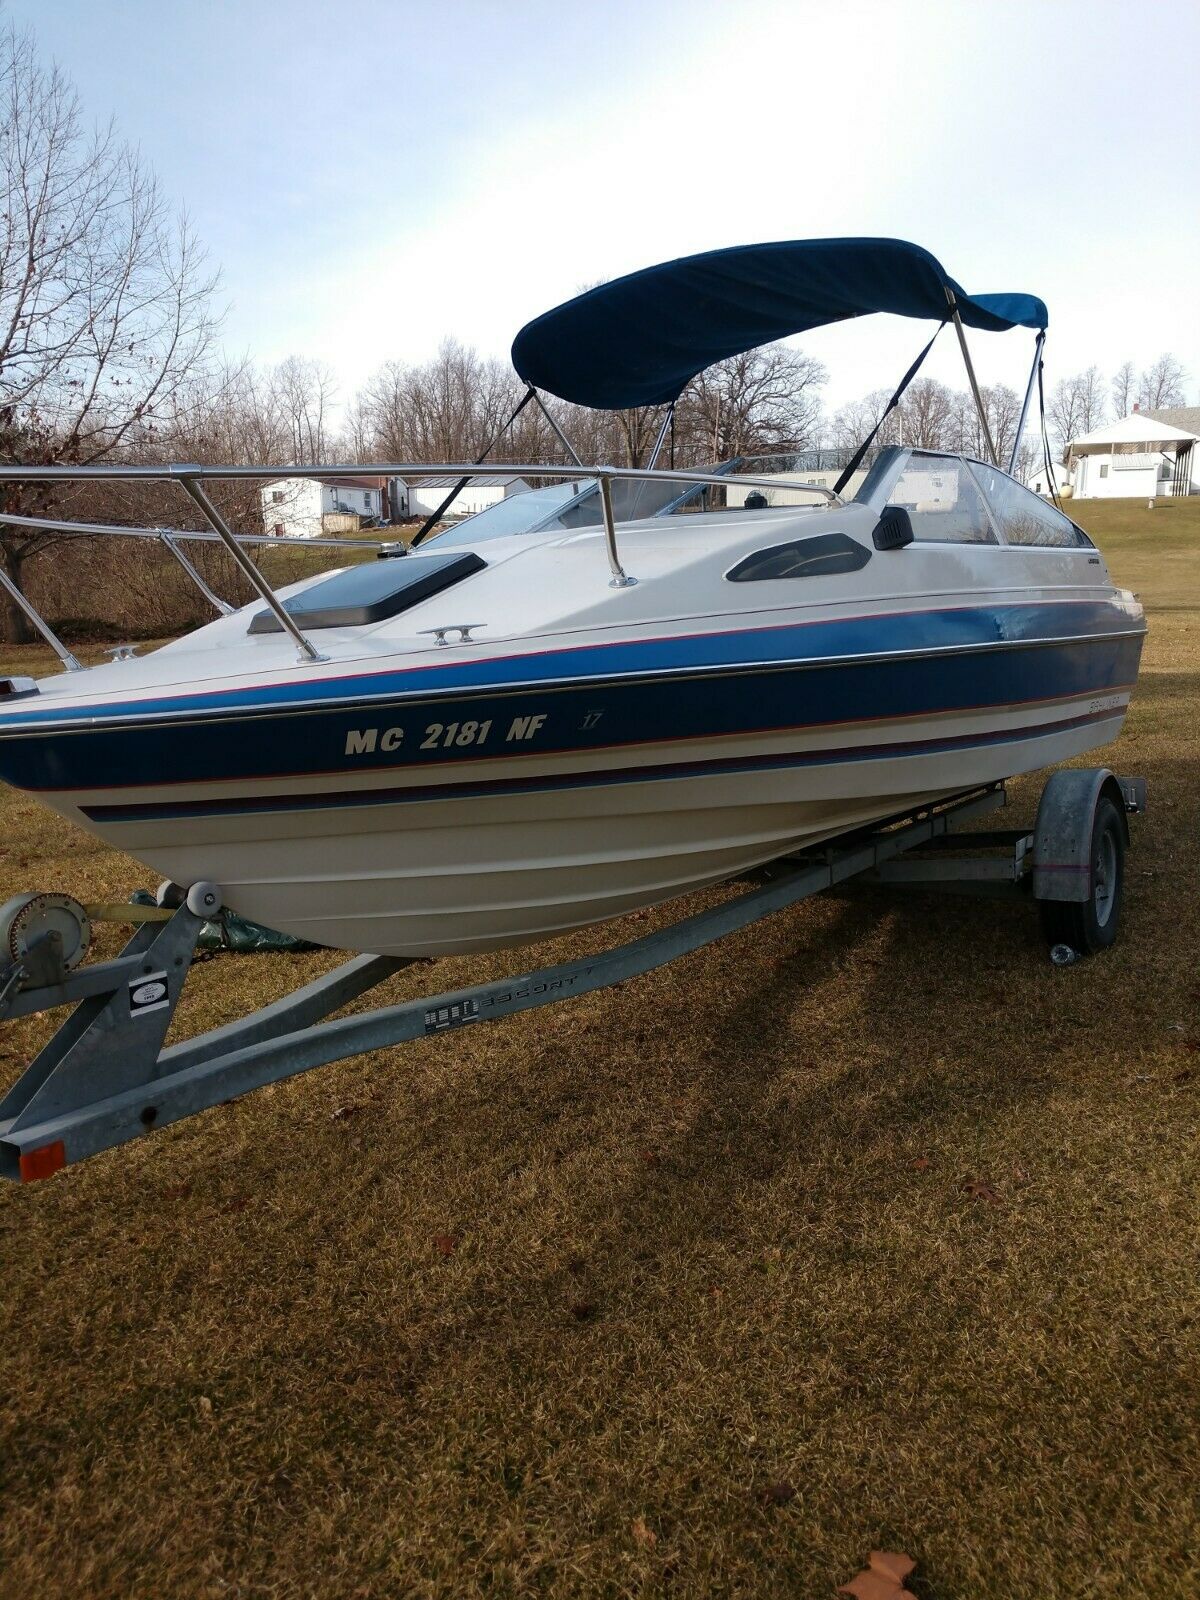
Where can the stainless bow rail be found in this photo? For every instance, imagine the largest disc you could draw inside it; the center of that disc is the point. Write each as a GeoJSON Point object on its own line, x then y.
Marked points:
{"type": "Point", "coordinates": [193, 478]}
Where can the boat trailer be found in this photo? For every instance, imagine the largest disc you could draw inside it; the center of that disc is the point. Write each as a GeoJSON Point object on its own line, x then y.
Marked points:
{"type": "Point", "coordinates": [105, 1077]}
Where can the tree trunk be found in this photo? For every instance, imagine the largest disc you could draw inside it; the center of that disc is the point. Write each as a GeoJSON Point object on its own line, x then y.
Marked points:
{"type": "Point", "coordinates": [17, 627]}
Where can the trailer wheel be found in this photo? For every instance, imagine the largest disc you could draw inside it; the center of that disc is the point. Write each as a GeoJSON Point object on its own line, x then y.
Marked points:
{"type": "Point", "coordinates": [1090, 925]}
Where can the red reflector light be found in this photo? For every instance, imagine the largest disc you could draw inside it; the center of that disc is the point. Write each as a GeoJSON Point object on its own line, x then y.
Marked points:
{"type": "Point", "coordinates": [43, 1163]}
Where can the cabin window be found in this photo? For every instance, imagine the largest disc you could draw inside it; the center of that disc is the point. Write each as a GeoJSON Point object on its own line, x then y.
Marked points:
{"type": "Point", "coordinates": [1026, 520]}
{"type": "Point", "coordinates": [818, 557]}
{"type": "Point", "coordinates": [943, 500]}
{"type": "Point", "coordinates": [1104, 469]}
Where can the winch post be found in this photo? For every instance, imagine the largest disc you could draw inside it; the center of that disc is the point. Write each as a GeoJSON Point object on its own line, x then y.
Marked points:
{"type": "Point", "coordinates": [110, 1043]}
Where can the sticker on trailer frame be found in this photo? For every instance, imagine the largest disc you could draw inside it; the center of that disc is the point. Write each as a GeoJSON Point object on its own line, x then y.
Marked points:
{"type": "Point", "coordinates": [452, 1016]}
{"type": "Point", "coordinates": [148, 993]}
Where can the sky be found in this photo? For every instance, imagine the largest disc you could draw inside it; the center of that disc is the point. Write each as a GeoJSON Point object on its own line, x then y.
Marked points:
{"type": "Point", "coordinates": [372, 176]}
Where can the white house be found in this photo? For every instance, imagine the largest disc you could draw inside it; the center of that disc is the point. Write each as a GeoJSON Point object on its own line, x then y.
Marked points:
{"type": "Point", "coordinates": [791, 486]}
{"type": "Point", "coordinates": [1039, 480]}
{"type": "Point", "coordinates": [305, 508]}
{"type": "Point", "coordinates": [298, 507]}
{"type": "Point", "coordinates": [426, 494]}
{"type": "Point", "coordinates": [1138, 457]}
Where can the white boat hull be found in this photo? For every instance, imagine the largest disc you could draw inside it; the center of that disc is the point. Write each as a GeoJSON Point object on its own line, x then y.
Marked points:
{"type": "Point", "coordinates": [446, 875]}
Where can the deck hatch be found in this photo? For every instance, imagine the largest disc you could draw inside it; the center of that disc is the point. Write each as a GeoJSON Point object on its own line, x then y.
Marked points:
{"type": "Point", "coordinates": [360, 596]}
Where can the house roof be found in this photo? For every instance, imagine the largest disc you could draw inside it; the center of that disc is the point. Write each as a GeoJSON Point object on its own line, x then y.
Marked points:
{"type": "Point", "coordinates": [488, 481]}
{"type": "Point", "coordinates": [1139, 428]}
{"type": "Point", "coordinates": [332, 483]}
{"type": "Point", "coordinates": [1178, 416]}
{"type": "Point", "coordinates": [1062, 474]}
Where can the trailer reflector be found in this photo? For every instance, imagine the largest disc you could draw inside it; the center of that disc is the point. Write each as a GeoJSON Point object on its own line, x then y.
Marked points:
{"type": "Point", "coordinates": [43, 1163]}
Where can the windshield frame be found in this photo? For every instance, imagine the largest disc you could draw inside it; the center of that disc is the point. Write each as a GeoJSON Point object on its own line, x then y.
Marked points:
{"type": "Point", "coordinates": [877, 486]}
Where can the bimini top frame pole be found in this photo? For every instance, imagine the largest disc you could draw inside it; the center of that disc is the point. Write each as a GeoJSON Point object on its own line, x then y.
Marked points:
{"type": "Point", "coordinates": [1033, 372]}
{"type": "Point", "coordinates": [664, 429]}
{"type": "Point", "coordinates": [555, 426]}
{"type": "Point", "coordinates": [966, 355]}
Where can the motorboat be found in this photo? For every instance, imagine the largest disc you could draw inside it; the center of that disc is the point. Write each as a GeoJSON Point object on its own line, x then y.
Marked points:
{"type": "Point", "coordinates": [621, 686]}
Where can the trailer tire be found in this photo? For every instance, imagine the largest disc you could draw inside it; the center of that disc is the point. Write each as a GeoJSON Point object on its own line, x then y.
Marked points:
{"type": "Point", "coordinates": [1090, 925]}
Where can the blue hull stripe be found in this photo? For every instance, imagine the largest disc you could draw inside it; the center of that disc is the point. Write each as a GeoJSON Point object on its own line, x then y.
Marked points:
{"type": "Point", "coordinates": [413, 733]}
{"type": "Point", "coordinates": [341, 799]}
{"type": "Point", "coordinates": [923, 631]}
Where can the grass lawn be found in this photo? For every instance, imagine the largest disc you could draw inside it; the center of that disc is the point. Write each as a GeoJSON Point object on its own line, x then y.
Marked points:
{"type": "Point", "coordinates": [560, 1307]}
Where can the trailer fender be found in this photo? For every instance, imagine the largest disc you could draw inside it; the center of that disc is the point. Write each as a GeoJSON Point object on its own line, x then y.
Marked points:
{"type": "Point", "coordinates": [1062, 835]}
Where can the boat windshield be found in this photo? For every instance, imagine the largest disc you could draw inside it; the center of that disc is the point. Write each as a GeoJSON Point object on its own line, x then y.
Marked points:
{"type": "Point", "coordinates": [576, 504]}
{"type": "Point", "coordinates": [516, 513]}
{"type": "Point", "coordinates": [805, 478]}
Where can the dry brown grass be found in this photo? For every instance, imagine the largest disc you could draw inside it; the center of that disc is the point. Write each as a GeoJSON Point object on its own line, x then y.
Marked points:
{"type": "Point", "coordinates": [711, 1234]}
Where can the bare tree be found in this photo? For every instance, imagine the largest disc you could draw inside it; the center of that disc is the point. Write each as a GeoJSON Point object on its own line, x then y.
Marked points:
{"type": "Point", "coordinates": [105, 299]}
{"type": "Point", "coordinates": [1124, 384]}
{"type": "Point", "coordinates": [1064, 412]}
{"type": "Point", "coordinates": [446, 409]}
{"type": "Point", "coordinates": [234, 415]}
{"type": "Point", "coordinates": [1076, 406]}
{"type": "Point", "coordinates": [379, 409]}
{"type": "Point", "coordinates": [854, 421]}
{"type": "Point", "coordinates": [761, 402]}
{"type": "Point", "coordinates": [1029, 458]}
{"type": "Point", "coordinates": [450, 408]}
{"type": "Point", "coordinates": [303, 392]}
{"type": "Point", "coordinates": [1002, 407]}
{"type": "Point", "coordinates": [1162, 384]}
{"type": "Point", "coordinates": [925, 412]}
{"type": "Point", "coordinates": [596, 436]}
{"type": "Point", "coordinates": [445, 418]}
{"type": "Point", "coordinates": [356, 432]}
{"type": "Point", "coordinates": [963, 433]}
{"type": "Point", "coordinates": [636, 427]}
{"type": "Point", "coordinates": [1092, 406]}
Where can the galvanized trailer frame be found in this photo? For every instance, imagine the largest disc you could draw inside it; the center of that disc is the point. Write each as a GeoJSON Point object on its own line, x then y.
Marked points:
{"type": "Point", "coordinates": [104, 1077]}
